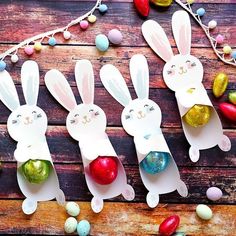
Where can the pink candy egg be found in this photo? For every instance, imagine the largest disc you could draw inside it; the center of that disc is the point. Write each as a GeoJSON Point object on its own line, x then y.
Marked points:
{"type": "Point", "coordinates": [29, 50]}
{"type": "Point", "coordinates": [84, 24]}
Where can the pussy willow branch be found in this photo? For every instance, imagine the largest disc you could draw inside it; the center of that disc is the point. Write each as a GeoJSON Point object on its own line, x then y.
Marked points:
{"type": "Point", "coordinates": [212, 41]}
{"type": "Point", "coordinates": [40, 37]}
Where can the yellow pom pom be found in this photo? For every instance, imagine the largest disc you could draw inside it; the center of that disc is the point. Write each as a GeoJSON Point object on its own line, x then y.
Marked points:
{"type": "Point", "coordinates": [190, 1]}
{"type": "Point", "coordinates": [37, 46]}
{"type": "Point", "coordinates": [92, 19]}
{"type": "Point", "coordinates": [227, 49]}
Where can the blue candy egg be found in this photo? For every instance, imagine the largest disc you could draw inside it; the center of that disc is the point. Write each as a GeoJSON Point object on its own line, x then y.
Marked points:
{"type": "Point", "coordinates": [52, 41]}
{"type": "Point", "coordinates": [102, 42]}
{"type": "Point", "coordinates": [103, 8]}
{"type": "Point", "coordinates": [233, 54]}
{"type": "Point", "coordinates": [83, 228]}
{"type": "Point", "coordinates": [201, 11]}
{"type": "Point", "coordinates": [2, 65]}
{"type": "Point", "coordinates": [155, 162]}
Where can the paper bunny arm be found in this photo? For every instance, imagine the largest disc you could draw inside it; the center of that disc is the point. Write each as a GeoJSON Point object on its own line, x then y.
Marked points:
{"type": "Point", "coordinates": [85, 80]}
{"type": "Point", "coordinates": [141, 145]}
{"type": "Point", "coordinates": [140, 75]}
{"type": "Point", "coordinates": [8, 94]}
{"type": "Point", "coordinates": [30, 82]}
{"type": "Point", "coordinates": [60, 89]}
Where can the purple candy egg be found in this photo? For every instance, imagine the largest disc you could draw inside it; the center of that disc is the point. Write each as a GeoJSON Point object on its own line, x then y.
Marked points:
{"type": "Point", "coordinates": [115, 36]}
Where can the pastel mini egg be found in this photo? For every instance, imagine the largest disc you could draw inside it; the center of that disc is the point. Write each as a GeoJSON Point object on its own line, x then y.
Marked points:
{"type": "Point", "coordinates": [29, 50]}
{"type": "Point", "coordinates": [103, 8]}
{"type": "Point", "coordinates": [214, 193]}
{"type": "Point", "coordinates": [115, 36]}
{"type": "Point", "coordinates": [84, 24]}
{"type": "Point", "coordinates": [201, 11]}
{"type": "Point", "coordinates": [212, 24]}
{"type": "Point", "coordinates": [70, 225]}
{"type": "Point", "coordinates": [14, 58]}
{"type": "Point", "coordinates": [72, 208]}
{"type": "Point", "coordinates": [101, 42]}
{"type": "Point", "coordinates": [66, 35]}
{"type": "Point", "coordinates": [227, 49]}
{"type": "Point", "coordinates": [219, 39]}
{"type": "Point", "coordinates": [83, 228]}
{"type": "Point", "coordinates": [37, 46]}
{"type": "Point", "coordinates": [52, 41]}
{"type": "Point", "coordinates": [204, 212]}
{"type": "Point", "coordinates": [92, 19]}
{"type": "Point", "coordinates": [2, 65]}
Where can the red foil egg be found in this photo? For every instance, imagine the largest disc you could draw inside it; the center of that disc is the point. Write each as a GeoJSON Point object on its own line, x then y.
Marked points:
{"type": "Point", "coordinates": [142, 7]}
{"type": "Point", "coordinates": [104, 169]}
{"type": "Point", "coordinates": [169, 225]}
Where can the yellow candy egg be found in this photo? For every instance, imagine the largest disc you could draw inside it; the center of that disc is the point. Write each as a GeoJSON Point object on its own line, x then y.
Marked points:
{"type": "Point", "coordinates": [37, 46]}
{"type": "Point", "coordinates": [92, 19]}
{"type": "Point", "coordinates": [162, 3]}
{"type": "Point", "coordinates": [198, 115]}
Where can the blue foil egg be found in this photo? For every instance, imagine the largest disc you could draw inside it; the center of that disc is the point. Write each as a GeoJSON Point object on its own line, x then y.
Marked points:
{"type": "Point", "coordinates": [155, 162]}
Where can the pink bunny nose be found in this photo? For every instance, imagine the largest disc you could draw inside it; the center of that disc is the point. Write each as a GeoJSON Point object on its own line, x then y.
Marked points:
{"type": "Point", "coordinates": [27, 118]}
{"type": "Point", "coordinates": [140, 112]}
{"type": "Point", "coordinates": [181, 67]}
{"type": "Point", "coordinates": [85, 117]}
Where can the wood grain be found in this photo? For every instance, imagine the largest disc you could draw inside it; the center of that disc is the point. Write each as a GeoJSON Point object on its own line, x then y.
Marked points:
{"type": "Point", "coordinates": [132, 220]}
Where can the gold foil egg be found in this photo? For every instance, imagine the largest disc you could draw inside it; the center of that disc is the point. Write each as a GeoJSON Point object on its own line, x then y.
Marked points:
{"type": "Point", "coordinates": [198, 115]}
{"type": "Point", "coordinates": [162, 3]}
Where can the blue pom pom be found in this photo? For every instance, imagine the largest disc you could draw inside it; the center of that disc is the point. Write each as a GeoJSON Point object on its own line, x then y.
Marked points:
{"type": "Point", "coordinates": [103, 8]}
{"type": "Point", "coordinates": [2, 65]}
{"type": "Point", "coordinates": [201, 11]}
{"type": "Point", "coordinates": [52, 41]}
{"type": "Point", "coordinates": [233, 54]}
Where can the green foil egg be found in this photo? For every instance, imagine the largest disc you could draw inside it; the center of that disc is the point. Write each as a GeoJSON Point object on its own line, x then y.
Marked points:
{"type": "Point", "coordinates": [36, 171]}
{"type": "Point", "coordinates": [155, 162]}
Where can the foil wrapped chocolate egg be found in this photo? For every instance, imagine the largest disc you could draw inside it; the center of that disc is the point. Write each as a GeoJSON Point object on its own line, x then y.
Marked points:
{"type": "Point", "coordinates": [36, 171]}
{"type": "Point", "coordinates": [155, 162]}
{"type": "Point", "coordinates": [198, 115]}
{"type": "Point", "coordinates": [162, 3]}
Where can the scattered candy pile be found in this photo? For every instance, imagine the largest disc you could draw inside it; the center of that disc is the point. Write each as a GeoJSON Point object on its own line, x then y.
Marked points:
{"type": "Point", "coordinates": [71, 224]}
{"type": "Point", "coordinates": [219, 87]}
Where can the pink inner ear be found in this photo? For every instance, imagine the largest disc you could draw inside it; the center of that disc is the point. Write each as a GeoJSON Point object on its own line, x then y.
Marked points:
{"type": "Point", "coordinates": [87, 89]}
{"type": "Point", "coordinates": [63, 96]}
{"type": "Point", "coordinates": [183, 42]}
{"type": "Point", "coordinates": [162, 49]}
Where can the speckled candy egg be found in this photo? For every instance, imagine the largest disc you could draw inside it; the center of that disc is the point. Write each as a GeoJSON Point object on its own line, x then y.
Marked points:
{"type": "Point", "coordinates": [70, 225]}
{"type": "Point", "coordinates": [115, 36]}
{"type": "Point", "coordinates": [155, 162]}
{"type": "Point", "coordinates": [102, 42]}
{"type": "Point", "coordinates": [2, 65]}
{"type": "Point", "coordinates": [72, 208]}
{"type": "Point", "coordinates": [214, 193]}
{"type": "Point", "coordinates": [83, 228]}
{"type": "Point", "coordinates": [204, 212]}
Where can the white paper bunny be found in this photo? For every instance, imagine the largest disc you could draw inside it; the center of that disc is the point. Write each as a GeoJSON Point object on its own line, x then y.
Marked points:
{"type": "Point", "coordinates": [27, 124]}
{"type": "Point", "coordinates": [86, 123]}
{"type": "Point", "coordinates": [141, 118]}
{"type": "Point", "coordinates": [183, 73]}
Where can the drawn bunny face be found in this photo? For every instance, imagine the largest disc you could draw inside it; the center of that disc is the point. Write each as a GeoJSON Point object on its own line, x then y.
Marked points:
{"type": "Point", "coordinates": [83, 119]}
{"type": "Point", "coordinates": [180, 70]}
{"type": "Point", "coordinates": [142, 115]}
{"type": "Point", "coordinates": [28, 121]}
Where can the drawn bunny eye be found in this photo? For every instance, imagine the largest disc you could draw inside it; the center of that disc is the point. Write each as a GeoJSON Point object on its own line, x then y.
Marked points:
{"type": "Point", "coordinates": [18, 116]}
{"type": "Point", "coordinates": [14, 122]}
{"type": "Point", "coordinates": [96, 113]}
{"type": "Point", "coordinates": [34, 112]}
{"type": "Point", "coordinates": [171, 71]}
{"type": "Point", "coordinates": [76, 115]}
{"type": "Point", "coordinates": [91, 110]}
{"type": "Point", "coordinates": [131, 110]}
{"type": "Point", "coordinates": [39, 115]}
{"type": "Point", "coordinates": [148, 108]}
{"type": "Point", "coordinates": [72, 121]}
{"type": "Point", "coordinates": [127, 117]}
{"type": "Point", "coordinates": [190, 64]}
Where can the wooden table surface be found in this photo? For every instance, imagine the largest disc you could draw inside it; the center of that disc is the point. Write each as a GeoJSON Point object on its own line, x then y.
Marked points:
{"type": "Point", "coordinates": [22, 19]}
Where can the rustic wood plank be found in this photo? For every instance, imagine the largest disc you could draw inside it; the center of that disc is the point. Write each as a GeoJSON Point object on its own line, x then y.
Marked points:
{"type": "Point", "coordinates": [164, 97]}
{"type": "Point", "coordinates": [66, 56]}
{"type": "Point", "coordinates": [136, 219]}
{"type": "Point", "coordinates": [40, 13]}
{"type": "Point", "coordinates": [65, 150]}
{"type": "Point", "coordinates": [72, 182]}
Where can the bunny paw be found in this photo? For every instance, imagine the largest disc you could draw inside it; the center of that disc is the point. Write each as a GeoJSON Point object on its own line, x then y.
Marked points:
{"type": "Point", "coordinates": [97, 204]}
{"type": "Point", "coordinates": [225, 144]}
{"type": "Point", "coordinates": [29, 206]}
{"type": "Point", "coordinates": [152, 199]}
{"type": "Point", "coordinates": [182, 189]}
{"type": "Point", "coordinates": [194, 154]}
{"type": "Point", "coordinates": [128, 193]}
{"type": "Point", "coordinates": [60, 198]}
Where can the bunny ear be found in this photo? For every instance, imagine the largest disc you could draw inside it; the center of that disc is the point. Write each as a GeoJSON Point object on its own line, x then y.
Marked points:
{"type": "Point", "coordinates": [60, 89]}
{"type": "Point", "coordinates": [8, 93]}
{"type": "Point", "coordinates": [115, 84]}
{"type": "Point", "coordinates": [30, 81]}
{"type": "Point", "coordinates": [181, 28]}
{"type": "Point", "coordinates": [157, 39]}
{"type": "Point", "coordinates": [85, 80]}
{"type": "Point", "coordinates": [140, 75]}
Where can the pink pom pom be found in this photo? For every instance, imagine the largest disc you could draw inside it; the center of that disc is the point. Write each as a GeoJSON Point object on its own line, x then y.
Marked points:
{"type": "Point", "coordinates": [29, 50]}
{"type": "Point", "coordinates": [84, 24]}
{"type": "Point", "coordinates": [219, 39]}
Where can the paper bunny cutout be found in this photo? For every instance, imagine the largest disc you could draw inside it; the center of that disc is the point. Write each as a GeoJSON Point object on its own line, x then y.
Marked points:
{"type": "Point", "coordinates": [86, 123]}
{"type": "Point", "coordinates": [183, 73]}
{"type": "Point", "coordinates": [141, 118]}
{"type": "Point", "coordinates": [27, 125]}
